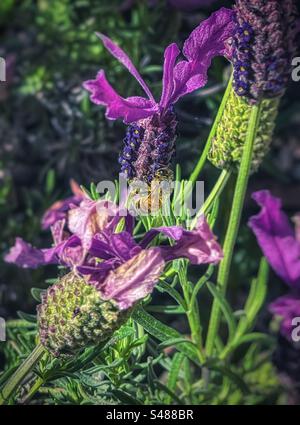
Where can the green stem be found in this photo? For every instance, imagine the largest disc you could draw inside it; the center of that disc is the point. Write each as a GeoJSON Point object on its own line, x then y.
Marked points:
{"type": "Point", "coordinates": [214, 194]}
{"type": "Point", "coordinates": [234, 223]}
{"type": "Point", "coordinates": [193, 316]}
{"type": "Point", "coordinates": [197, 170]}
{"type": "Point", "coordinates": [35, 387]}
{"type": "Point", "coordinates": [18, 376]}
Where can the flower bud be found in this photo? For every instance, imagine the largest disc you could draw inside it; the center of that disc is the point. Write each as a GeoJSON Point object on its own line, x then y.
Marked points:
{"type": "Point", "coordinates": [227, 145]}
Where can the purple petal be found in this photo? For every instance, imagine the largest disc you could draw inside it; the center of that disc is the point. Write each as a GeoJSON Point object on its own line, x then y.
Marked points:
{"type": "Point", "coordinates": [122, 57]}
{"type": "Point", "coordinates": [57, 230]}
{"type": "Point", "coordinates": [118, 245]}
{"type": "Point", "coordinates": [25, 255]}
{"type": "Point", "coordinates": [130, 109]}
{"type": "Point", "coordinates": [135, 279]}
{"type": "Point", "coordinates": [205, 42]}
{"type": "Point", "coordinates": [124, 246]}
{"type": "Point", "coordinates": [90, 218]}
{"type": "Point", "coordinates": [286, 307]}
{"type": "Point", "coordinates": [199, 246]}
{"type": "Point", "coordinates": [58, 211]}
{"type": "Point", "coordinates": [276, 237]}
{"type": "Point", "coordinates": [171, 54]}
{"type": "Point", "coordinates": [96, 273]}
{"type": "Point", "coordinates": [173, 232]}
{"type": "Point", "coordinates": [70, 252]}
{"type": "Point", "coordinates": [100, 249]}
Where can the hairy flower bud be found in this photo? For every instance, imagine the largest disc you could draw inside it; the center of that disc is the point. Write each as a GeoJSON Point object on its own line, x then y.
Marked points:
{"type": "Point", "coordinates": [73, 315]}
{"type": "Point", "coordinates": [263, 46]}
{"type": "Point", "coordinates": [227, 145]}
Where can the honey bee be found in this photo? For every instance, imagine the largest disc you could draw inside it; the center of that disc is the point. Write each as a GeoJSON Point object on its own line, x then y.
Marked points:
{"type": "Point", "coordinates": [151, 199]}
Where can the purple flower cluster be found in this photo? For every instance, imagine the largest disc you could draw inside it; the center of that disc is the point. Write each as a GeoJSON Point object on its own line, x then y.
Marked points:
{"type": "Point", "coordinates": [280, 244]}
{"type": "Point", "coordinates": [87, 242]}
{"type": "Point", "coordinates": [263, 45]}
{"type": "Point", "coordinates": [132, 142]}
{"type": "Point", "coordinates": [155, 122]}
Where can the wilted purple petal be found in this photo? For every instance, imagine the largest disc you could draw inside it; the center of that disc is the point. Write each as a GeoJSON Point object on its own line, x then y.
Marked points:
{"type": "Point", "coordinates": [90, 218]}
{"type": "Point", "coordinates": [96, 272]}
{"type": "Point", "coordinates": [134, 279]}
{"type": "Point", "coordinates": [58, 211]}
{"type": "Point", "coordinates": [57, 231]}
{"type": "Point", "coordinates": [124, 246]}
{"type": "Point", "coordinates": [25, 255]}
{"type": "Point", "coordinates": [70, 252]}
{"type": "Point", "coordinates": [286, 307]}
{"type": "Point", "coordinates": [173, 232]}
{"type": "Point", "coordinates": [118, 245]}
{"type": "Point", "coordinates": [276, 237]}
{"type": "Point", "coordinates": [199, 246]}
{"type": "Point", "coordinates": [130, 109]}
{"type": "Point", "coordinates": [122, 57]}
{"type": "Point", "coordinates": [205, 42]}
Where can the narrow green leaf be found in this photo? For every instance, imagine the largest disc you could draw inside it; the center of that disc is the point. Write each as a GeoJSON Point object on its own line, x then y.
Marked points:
{"type": "Point", "coordinates": [94, 193]}
{"type": "Point", "coordinates": [256, 298]}
{"type": "Point", "coordinates": [37, 293]}
{"type": "Point", "coordinates": [163, 332]}
{"type": "Point", "coordinates": [166, 309]}
{"type": "Point", "coordinates": [233, 376]}
{"type": "Point", "coordinates": [254, 337]}
{"type": "Point", "coordinates": [126, 398]}
{"type": "Point", "coordinates": [31, 318]}
{"type": "Point", "coordinates": [174, 374]}
{"type": "Point", "coordinates": [50, 181]}
{"type": "Point", "coordinates": [170, 393]}
{"type": "Point", "coordinates": [175, 341]}
{"type": "Point", "coordinates": [200, 284]}
{"type": "Point", "coordinates": [165, 287]}
{"type": "Point", "coordinates": [226, 309]}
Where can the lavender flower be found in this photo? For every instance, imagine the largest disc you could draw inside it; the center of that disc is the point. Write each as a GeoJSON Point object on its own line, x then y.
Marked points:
{"type": "Point", "coordinates": [281, 246]}
{"type": "Point", "coordinates": [150, 138]}
{"type": "Point", "coordinates": [263, 46]}
{"type": "Point", "coordinates": [110, 271]}
{"type": "Point", "coordinates": [277, 238]}
{"type": "Point", "coordinates": [91, 247]}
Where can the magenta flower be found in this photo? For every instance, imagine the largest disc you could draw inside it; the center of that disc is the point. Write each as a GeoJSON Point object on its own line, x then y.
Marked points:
{"type": "Point", "coordinates": [119, 267]}
{"type": "Point", "coordinates": [186, 76]}
{"type": "Point", "coordinates": [58, 211]}
{"type": "Point", "coordinates": [277, 238]}
{"type": "Point", "coordinates": [150, 139]}
{"type": "Point", "coordinates": [287, 308]}
{"type": "Point", "coordinates": [281, 246]}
